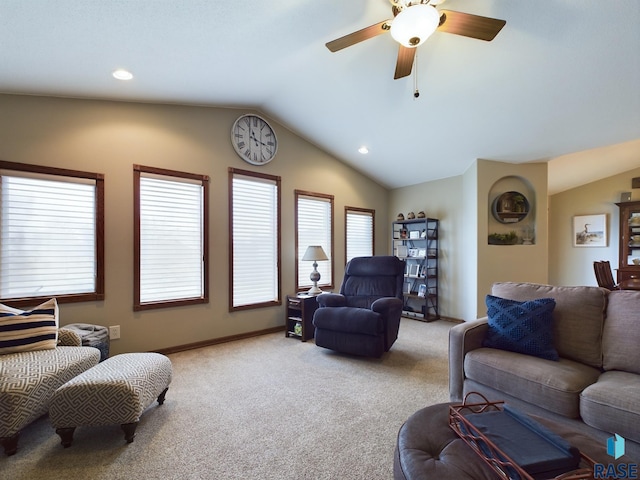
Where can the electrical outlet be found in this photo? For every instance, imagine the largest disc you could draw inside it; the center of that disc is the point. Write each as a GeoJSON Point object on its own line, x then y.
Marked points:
{"type": "Point", "coordinates": [114, 332]}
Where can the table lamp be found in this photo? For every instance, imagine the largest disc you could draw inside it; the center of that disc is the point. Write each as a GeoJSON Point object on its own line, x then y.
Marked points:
{"type": "Point", "coordinates": [314, 253]}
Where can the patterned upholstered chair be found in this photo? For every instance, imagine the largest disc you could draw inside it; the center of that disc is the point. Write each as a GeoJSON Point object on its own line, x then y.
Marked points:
{"type": "Point", "coordinates": [29, 379]}
{"type": "Point", "coordinates": [364, 318]}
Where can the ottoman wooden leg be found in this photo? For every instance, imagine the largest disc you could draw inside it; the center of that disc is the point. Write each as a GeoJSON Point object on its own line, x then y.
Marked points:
{"type": "Point", "coordinates": [129, 431]}
{"type": "Point", "coordinates": [66, 435]}
{"type": "Point", "coordinates": [162, 395]}
{"type": "Point", "coordinates": [10, 444]}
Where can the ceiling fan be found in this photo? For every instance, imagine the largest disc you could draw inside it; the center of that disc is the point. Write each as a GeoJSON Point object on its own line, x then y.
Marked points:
{"type": "Point", "coordinates": [414, 21]}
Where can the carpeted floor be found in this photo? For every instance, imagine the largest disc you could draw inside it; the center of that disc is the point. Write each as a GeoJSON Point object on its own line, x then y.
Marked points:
{"type": "Point", "coordinates": [267, 407]}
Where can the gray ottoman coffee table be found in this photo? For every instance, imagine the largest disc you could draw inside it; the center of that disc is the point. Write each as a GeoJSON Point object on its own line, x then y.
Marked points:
{"type": "Point", "coordinates": [115, 391]}
{"type": "Point", "coordinates": [428, 449]}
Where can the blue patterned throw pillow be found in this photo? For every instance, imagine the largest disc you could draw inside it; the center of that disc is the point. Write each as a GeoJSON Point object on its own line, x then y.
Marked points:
{"type": "Point", "coordinates": [522, 327]}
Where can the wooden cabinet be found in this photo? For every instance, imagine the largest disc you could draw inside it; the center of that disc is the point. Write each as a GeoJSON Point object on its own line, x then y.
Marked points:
{"type": "Point", "coordinates": [299, 316]}
{"type": "Point", "coordinates": [416, 242]}
{"type": "Point", "coordinates": [629, 251]}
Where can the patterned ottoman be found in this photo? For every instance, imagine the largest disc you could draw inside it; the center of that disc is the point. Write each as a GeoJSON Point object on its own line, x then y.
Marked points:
{"type": "Point", "coordinates": [115, 391]}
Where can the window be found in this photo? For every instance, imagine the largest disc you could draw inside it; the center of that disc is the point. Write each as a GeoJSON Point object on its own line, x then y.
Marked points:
{"type": "Point", "coordinates": [51, 234]}
{"type": "Point", "coordinates": [314, 226]}
{"type": "Point", "coordinates": [254, 223]}
{"type": "Point", "coordinates": [359, 232]}
{"type": "Point", "coordinates": [171, 219]}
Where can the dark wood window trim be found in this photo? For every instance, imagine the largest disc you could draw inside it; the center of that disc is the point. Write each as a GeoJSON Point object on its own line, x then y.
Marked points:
{"type": "Point", "coordinates": [98, 294]}
{"type": "Point", "coordinates": [330, 198]}
{"type": "Point", "coordinates": [277, 181]}
{"type": "Point", "coordinates": [373, 228]}
{"type": "Point", "coordinates": [204, 179]}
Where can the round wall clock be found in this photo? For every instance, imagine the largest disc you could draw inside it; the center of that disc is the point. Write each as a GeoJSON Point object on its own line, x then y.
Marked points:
{"type": "Point", "coordinates": [254, 139]}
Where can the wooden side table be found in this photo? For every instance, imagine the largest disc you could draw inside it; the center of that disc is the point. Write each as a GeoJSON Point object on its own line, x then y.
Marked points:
{"type": "Point", "coordinates": [299, 316]}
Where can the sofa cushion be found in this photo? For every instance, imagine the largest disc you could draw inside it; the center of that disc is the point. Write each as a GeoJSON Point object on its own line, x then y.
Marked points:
{"type": "Point", "coordinates": [555, 386]}
{"type": "Point", "coordinates": [621, 335]}
{"type": "Point", "coordinates": [578, 316]}
{"type": "Point", "coordinates": [24, 331]}
{"type": "Point", "coordinates": [523, 327]}
{"type": "Point", "coordinates": [612, 404]}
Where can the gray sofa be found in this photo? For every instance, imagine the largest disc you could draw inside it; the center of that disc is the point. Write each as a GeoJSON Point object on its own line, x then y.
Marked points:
{"type": "Point", "coordinates": [29, 379]}
{"type": "Point", "coordinates": [594, 387]}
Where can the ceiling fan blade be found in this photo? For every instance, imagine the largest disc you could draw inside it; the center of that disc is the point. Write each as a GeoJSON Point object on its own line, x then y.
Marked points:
{"type": "Point", "coordinates": [468, 25]}
{"type": "Point", "coordinates": [405, 62]}
{"type": "Point", "coordinates": [359, 36]}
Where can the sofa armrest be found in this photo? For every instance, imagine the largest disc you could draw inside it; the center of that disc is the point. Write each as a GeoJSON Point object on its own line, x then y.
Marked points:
{"type": "Point", "coordinates": [68, 338]}
{"type": "Point", "coordinates": [462, 339]}
{"type": "Point", "coordinates": [331, 300]}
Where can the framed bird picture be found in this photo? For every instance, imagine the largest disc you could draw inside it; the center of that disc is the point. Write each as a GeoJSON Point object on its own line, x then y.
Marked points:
{"type": "Point", "coordinates": [590, 230]}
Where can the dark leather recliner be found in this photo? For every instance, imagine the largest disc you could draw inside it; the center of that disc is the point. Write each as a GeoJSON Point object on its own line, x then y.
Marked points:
{"type": "Point", "coordinates": [364, 318]}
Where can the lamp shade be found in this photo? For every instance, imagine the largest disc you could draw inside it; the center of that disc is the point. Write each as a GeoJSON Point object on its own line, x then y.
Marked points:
{"type": "Point", "coordinates": [315, 252]}
{"type": "Point", "coordinates": [413, 25]}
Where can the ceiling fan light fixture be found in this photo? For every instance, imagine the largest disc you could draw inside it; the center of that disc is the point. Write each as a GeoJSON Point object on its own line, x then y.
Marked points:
{"type": "Point", "coordinates": [414, 24]}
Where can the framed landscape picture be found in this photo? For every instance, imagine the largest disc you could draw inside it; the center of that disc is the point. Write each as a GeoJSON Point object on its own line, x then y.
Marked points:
{"type": "Point", "coordinates": [590, 230]}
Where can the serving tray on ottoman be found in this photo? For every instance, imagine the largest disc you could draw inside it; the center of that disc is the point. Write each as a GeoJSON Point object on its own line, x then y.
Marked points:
{"type": "Point", "coordinates": [514, 445]}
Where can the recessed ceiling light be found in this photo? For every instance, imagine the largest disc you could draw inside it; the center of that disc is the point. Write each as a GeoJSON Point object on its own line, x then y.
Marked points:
{"type": "Point", "coordinates": [121, 74]}
{"type": "Point", "coordinates": [363, 150]}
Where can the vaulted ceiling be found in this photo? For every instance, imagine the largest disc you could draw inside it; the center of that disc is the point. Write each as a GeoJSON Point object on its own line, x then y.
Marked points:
{"type": "Point", "coordinates": [562, 77]}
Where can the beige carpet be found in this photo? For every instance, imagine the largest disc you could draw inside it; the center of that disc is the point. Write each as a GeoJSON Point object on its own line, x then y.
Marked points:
{"type": "Point", "coordinates": [268, 407]}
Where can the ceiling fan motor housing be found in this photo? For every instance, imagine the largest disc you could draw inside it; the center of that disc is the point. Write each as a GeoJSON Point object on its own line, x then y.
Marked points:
{"type": "Point", "coordinates": [399, 5]}
{"type": "Point", "coordinates": [414, 24]}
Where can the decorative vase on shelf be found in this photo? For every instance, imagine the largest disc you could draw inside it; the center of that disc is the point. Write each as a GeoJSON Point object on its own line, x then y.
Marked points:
{"type": "Point", "coordinates": [527, 236]}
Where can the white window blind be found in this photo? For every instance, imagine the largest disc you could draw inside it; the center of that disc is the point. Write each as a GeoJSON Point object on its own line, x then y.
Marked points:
{"type": "Point", "coordinates": [314, 228]}
{"type": "Point", "coordinates": [255, 240]}
{"type": "Point", "coordinates": [171, 238]}
{"type": "Point", "coordinates": [359, 232]}
{"type": "Point", "coordinates": [47, 236]}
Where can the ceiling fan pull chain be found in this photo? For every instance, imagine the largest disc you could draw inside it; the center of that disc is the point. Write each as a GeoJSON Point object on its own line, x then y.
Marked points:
{"type": "Point", "coordinates": [416, 93]}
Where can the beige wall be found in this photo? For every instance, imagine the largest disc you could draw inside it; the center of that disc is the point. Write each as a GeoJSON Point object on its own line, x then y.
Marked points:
{"type": "Point", "coordinates": [109, 137]}
{"type": "Point", "coordinates": [469, 253]}
{"type": "Point", "coordinates": [468, 265]}
{"type": "Point", "coordinates": [439, 199]}
{"type": "Point", "coordinates": [569, 265]}
{"type": "Point", "coordinates": [519, 263]}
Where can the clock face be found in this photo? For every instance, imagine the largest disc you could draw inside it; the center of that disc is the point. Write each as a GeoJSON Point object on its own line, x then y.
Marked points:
{"type": "Point", "coordinates": [254, 139]}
